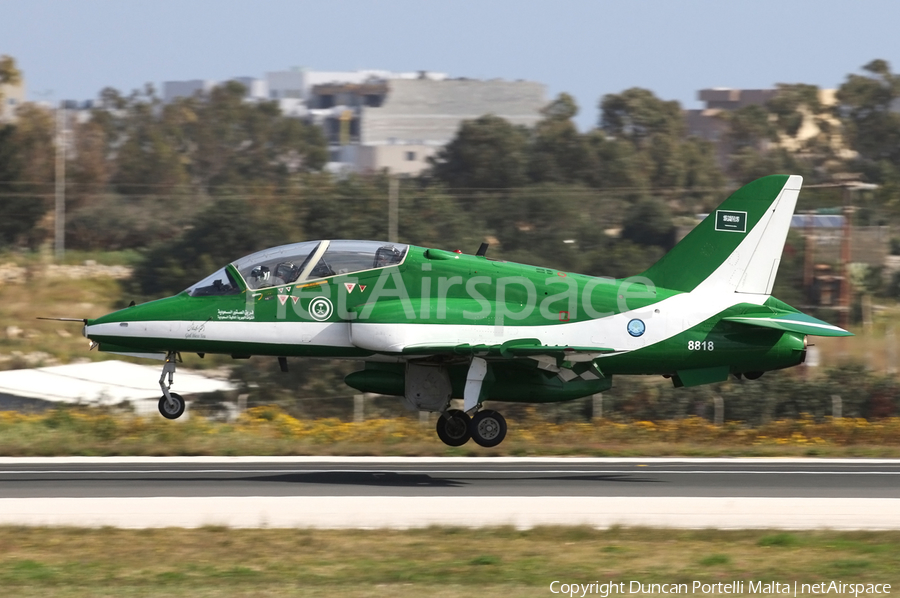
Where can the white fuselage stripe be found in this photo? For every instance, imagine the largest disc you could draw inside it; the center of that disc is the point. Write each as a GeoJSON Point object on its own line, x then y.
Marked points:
{"type": "Point", "coordinates": [330, 334]}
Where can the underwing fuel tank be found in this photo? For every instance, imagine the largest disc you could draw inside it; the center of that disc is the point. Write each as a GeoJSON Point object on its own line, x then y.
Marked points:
{"type": "Point", "coordinates": [511, 382]}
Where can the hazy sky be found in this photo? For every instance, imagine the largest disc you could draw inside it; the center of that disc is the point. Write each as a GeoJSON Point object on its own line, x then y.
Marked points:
{"type": "Point", "coordinates": [71, 50]}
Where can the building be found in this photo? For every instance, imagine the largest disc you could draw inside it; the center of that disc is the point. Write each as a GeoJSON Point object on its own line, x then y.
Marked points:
{"type": "Point", "coordinates": [375, 119]}
{"type": "Point", "coordinates": [257, 89]}
{"type": "Point", "coordinates": [172, 90]}
{"type": "Point", "coordinates": [707, 123]}
{"type": "Point", "coordinates": [397, 124]}
{"type": "Point", "coordinates": [11, 97]}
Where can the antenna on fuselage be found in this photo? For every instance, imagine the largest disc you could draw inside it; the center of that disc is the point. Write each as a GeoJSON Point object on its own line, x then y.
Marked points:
{"type": "Point", "coordinates": [483, 249]}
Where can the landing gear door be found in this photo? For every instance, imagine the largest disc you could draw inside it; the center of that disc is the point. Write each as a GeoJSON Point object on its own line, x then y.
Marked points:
{"type": "Point", "coordinates": [427, 387]}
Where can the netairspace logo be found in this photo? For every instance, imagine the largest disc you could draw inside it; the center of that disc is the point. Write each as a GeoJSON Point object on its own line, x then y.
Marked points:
{"type": "Point", "coordinates": [501, 301]}
{"type": "Point", "coordinates": [766, 588]}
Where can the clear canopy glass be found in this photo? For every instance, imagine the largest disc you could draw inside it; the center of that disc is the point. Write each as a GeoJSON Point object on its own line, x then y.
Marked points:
{"type": "Point", "coordinates": [314, 260]}
{"type": "Point", "coordinates": [276, 266]}
{"type": "Point", "coordinates": [348, 257]}
{"type": "Point", "coordinates": [220, 282]}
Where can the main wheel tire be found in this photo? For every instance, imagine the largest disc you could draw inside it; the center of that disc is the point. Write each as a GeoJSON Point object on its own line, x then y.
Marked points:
{"type": "Point", "coordinates": [172, 410]}
{"type": "Point", "coordinates": [753, 375]}
{"type": "Point", "coordinates": [488, 428]}
{"type": "Point", "coordinates": [453, 428]}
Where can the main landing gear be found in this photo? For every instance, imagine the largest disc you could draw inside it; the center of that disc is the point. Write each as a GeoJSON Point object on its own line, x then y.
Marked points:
{"type": "Point", "coordinates": [171, 405]}
{"type": "Point", "coordinates": [487, 428]}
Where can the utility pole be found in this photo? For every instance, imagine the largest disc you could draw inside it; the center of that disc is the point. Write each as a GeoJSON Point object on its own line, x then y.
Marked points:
{"type": "Point", "coordinates": [844, 301]}
{"type": "Point", "coordinates": [60, 211]}
{"type": "Point", "coordinates": [848, 182]}
{"type": "Point", "coordinates": [808, 257]}
{"type": "Point", "coordinates": [393, 208]}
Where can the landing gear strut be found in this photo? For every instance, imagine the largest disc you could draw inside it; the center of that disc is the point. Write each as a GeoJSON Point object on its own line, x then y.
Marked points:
{"type": "Point", "coordinates": [171, 405]}
{"type": "Point", "coordinates": [487, 427]}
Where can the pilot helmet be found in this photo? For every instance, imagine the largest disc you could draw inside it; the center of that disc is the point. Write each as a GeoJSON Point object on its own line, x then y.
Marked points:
{"type": "Point", "coordinates": [260, 273]}
{"type": "Point", "coordinates": [286, 271]}
{"type": "Point", "coordinates": [386, 256]}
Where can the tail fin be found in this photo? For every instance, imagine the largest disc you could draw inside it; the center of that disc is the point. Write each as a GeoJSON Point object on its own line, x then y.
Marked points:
{"type": "Point", "coordinates": [738, 247]}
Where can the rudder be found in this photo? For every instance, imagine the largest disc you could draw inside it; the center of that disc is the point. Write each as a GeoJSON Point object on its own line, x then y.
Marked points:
{"type": "Point", "coordinates": [738, 246]}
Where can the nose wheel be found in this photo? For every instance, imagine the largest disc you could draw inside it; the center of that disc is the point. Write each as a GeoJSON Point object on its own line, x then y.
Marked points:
{"type": "Point", "coordinates": [171, 405]}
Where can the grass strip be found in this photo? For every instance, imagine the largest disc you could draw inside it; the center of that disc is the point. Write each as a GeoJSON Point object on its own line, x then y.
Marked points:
{"type": "Point", "coordinates": [215, 561]}
{"type": "Point", "coordinates": [270, 431]}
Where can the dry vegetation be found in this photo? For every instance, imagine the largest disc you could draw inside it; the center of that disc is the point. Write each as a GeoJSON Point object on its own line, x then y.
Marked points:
{"type": "Point", "coordinates": [26, 341]}
{"type": "Point", "coordinates": [270, 431]}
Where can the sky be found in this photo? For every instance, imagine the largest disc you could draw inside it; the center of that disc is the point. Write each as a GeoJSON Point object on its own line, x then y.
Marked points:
{"type": "Point", "coordinates": [588, 48]}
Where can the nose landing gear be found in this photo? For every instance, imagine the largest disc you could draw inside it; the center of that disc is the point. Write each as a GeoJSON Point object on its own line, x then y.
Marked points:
{"type": "Point", "coordinates": [171, 405]}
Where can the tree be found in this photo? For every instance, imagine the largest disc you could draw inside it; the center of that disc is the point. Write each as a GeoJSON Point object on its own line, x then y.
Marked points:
{"type": "Point", "coordinates": [88, 169]}
{"type": "Point", "coordinates": [792, 105]}
{"type": "Point", "coordinates": [751, 127]}
{"type": "Point", "coordinates": [558, 152]}
{"type": "Point", "coordinates": [638, 115]}
{"type": "Point", "coordinates": [204, 143]}
{"type": "Point", "coordinates": [226, 230]}
{"type": "Point", "coordinates": [618, 163]}
{"type": "Point", "coordinates": [26, 175]}
{"type": "Point", "coordinates": [703, 180]}
{"type": "Point", "coordinates": [147, 160]}
{"type": "Point", "coordinates": [871, 120]}
{"type": "Point", "coordinates": [232, 142]}
{"type": "Point", "coordinates": [750, 163]}
{"type": "Point", "coordinates": [649, 222]}
{"type": "Point", "coordinates": [487, 153]}
{"type": "Point", "coordinates": [545, 224]}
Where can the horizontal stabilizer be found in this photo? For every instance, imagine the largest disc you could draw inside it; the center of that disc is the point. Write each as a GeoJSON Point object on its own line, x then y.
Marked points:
{"type": "Point", "coordinates": [791, 322]}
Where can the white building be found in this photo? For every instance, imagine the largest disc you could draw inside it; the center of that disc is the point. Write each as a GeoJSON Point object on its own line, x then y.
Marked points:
{"type": "Point", "coordinates": [397, 124]}
{"type": "Point", "coordinates": [172, 90]}
{"type": "Point", "coordinates": [12, 97]}
{"type": "Point", "coordinates": [298, 82]}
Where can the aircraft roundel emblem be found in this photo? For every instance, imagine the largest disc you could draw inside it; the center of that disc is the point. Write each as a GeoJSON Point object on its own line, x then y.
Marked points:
{"type": "Point", "coordinates": [320, 308]}
{"type": "Point", "coordinates": [636, 327]}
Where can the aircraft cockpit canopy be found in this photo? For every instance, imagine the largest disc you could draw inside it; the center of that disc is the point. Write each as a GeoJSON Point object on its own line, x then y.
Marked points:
{"type": "Point", "coordinates": [302, 262]}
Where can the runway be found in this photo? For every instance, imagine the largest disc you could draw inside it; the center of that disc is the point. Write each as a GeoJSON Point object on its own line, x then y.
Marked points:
{"type": "Point", "coordinates": [412, 492]}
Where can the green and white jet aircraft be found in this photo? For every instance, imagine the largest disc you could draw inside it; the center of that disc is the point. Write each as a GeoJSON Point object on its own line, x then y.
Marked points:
{"type": "Point", "coordinates": [431, 325]}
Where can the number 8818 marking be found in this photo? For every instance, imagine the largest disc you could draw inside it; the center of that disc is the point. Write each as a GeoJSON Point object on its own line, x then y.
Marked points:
{"type": "Point", "coordinates": [700, 346]}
